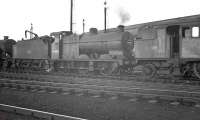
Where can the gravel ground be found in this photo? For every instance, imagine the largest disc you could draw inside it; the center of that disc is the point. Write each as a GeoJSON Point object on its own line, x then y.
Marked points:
{"type": "Point", "coordinates": [11, 116]}
{"type": "Point", "coordinates": [98, 108]}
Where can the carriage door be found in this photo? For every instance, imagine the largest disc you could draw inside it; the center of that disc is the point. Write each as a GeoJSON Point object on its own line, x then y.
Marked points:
{"type": "Point", "coordinates": [173, 33]}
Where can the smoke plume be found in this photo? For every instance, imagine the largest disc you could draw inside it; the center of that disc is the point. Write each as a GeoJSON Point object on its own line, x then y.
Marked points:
{"type": "Point", "coordinates": [123, 15]}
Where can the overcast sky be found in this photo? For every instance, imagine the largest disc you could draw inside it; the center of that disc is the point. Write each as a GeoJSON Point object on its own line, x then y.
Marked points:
{"type": "Point", "coordinates": [53, 15]}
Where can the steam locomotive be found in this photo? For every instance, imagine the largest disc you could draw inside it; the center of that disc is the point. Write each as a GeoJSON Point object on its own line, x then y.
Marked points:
{"type": "Point", "coordinates": [161, 47]}
{"type": "Point", "coordinates": [63, 51]}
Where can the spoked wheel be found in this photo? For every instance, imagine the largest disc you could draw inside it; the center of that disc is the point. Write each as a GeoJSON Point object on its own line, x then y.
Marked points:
{"type": "Point", "coordinates": [144, 71]}
{"type": "Point", "coordinates": [148, 71]}
{"type": "Point", "coordinates": [186, 70]}
{"type": "Point", "coordinates": [196, 70]}
{"type": "Point", "coordinates": [105, 69]}
{"type": "Point", "coordinates": [45, 66]}
{"type": "Point", "coordinates": [108, 68]}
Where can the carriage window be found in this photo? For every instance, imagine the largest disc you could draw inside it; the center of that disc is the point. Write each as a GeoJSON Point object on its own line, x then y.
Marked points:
{"type": "Point", "coordinates": [195, 31]}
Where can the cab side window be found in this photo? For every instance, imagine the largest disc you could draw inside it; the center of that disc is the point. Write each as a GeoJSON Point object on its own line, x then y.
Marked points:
{"type": "Point", "coordinates": [186, 32]}
{"type": "Point", "coordinates": [195, 31]}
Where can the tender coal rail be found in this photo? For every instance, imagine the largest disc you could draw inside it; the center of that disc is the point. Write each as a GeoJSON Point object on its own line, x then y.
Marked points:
{"type": "Point", "coordinates": [36, 114]}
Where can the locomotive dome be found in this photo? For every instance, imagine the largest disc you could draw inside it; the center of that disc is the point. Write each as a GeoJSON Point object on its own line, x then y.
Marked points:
{"type": "Point", "coordinates": [93, 30]}
{"type": "Point", "coordinates": [121, 28]}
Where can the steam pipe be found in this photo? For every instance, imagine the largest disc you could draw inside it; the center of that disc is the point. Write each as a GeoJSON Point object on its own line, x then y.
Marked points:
{"type": "Point", "coordinates": [30, 33]}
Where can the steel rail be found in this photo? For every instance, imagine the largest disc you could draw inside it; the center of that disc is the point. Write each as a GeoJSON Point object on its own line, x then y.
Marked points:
{"type": "Point", "coordinates": [37, 113]}
{"type": "Point", "coordinates": [134, 86]}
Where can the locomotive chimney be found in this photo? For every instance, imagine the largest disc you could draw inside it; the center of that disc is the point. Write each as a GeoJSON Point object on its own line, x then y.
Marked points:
{"type": "Point", "coordinates": [120, 28]}
{"type": "Point", "coordinates": [6, 37]}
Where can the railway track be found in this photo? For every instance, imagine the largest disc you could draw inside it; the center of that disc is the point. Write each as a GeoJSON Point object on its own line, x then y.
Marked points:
{"type": "Point", "coordinates": [98, 81]}
{"type": "Point", "coordinates": [177, 94]}
{"type": "Point", "coordinates": [63, 76]}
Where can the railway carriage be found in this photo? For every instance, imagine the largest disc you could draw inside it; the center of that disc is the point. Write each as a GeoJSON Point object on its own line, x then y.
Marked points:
{"type": "Point", "coordinates": [169, 46]}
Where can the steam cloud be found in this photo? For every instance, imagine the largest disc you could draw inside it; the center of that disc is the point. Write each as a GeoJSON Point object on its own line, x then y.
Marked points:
{"type": "Point", "coordinates": [123, 15]}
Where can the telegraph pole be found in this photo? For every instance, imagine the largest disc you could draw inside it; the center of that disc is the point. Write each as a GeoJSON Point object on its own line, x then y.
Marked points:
{"type": "Point", "coordinates": [105, 12]}
{"type": "Point", "coordinates": [83, 25]}
{"type": "Point", "coordinates": [71, 17]}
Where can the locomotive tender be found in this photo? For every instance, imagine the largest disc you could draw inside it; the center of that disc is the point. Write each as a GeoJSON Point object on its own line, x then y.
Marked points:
{"type": "Point", "coordinates": [163, 47]}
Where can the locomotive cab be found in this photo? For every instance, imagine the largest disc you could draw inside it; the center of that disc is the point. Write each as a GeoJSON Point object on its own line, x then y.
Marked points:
{"type": "Point", "coordinates": [174, 39]}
